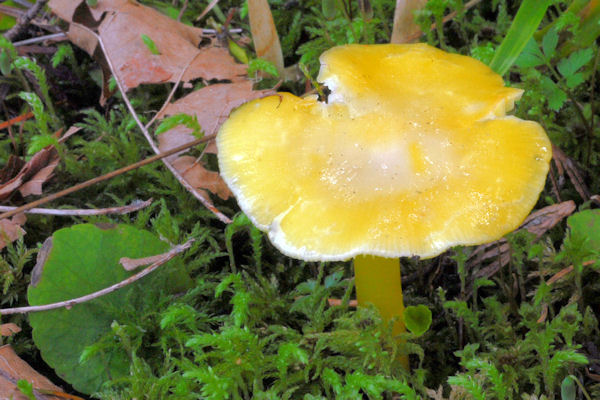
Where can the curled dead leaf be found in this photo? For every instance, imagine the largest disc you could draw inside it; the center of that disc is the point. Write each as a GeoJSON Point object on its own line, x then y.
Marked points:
{"type": "Point", "coordinates": [565, 164]}
{"type": "Point", "coordinates": [120, 24]}
{"type": "Point", "coordinates": [10, 230]}
{"type": "Point", "coordinates": [31, 175]}
{"type": "Point", "coordinates": [9, 329]}
{"type": "Point", "coordinates": [538, 223]}
{"type": "Point", "coordinates": [211, 105]}
{"type": "Point", "coordinates": [200, 178]}
{"type": "Point", "coordinates": [13, 368]}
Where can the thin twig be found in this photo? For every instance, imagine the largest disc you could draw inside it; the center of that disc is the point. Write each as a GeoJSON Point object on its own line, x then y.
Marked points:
{"type": "Point", "coordinates": [205, 202]}
{"type": "Point", "coordinates": [171, 94]}
{"type": "Point", "coordinates": [70, 303]}
{"type": "Point", "coordinates": [207, 9]}
{"type": "Point", "coordinates": [110, 175]}
{"type": "Point", "coordinates": [183, 8]}
{"type": "Point", "coordinates": [214, 31]}
{"type": "Point", "coordinates": [12, 11]}
{"type": "Point", "coordinates": [52, 36]}
{"type": "Point", "coordinates": [135, 206]}
{"type": "Point", "coordinates": [24, 21]}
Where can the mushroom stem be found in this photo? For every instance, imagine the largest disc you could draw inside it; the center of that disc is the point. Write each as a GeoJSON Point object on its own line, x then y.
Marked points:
{"type": "Point", "coordinates": [377, 281]}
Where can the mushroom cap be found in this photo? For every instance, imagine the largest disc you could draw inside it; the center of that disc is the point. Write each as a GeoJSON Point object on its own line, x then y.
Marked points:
{"type": "Point", "coordinates": [412, 154]}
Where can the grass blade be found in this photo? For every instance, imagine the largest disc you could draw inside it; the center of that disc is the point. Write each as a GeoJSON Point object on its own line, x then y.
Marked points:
{"type": "Point", "coordinates": [525, 24]}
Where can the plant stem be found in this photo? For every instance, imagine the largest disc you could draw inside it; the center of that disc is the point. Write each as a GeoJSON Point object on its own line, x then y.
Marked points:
{"type": "Point", "coordinates": [378, 282]}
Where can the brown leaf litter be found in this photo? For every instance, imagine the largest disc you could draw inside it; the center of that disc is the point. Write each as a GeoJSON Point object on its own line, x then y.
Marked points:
{"type": "Point", "coordinates": [121, 24]}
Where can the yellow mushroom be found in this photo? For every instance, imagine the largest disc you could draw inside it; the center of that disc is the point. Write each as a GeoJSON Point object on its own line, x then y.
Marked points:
{"type": "Point", "coordinates": [412, 154]}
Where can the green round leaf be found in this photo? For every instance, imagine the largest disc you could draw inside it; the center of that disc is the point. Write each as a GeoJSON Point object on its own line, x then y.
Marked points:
{"type": "Point", "coordinates": [585, 233]}
{"type": "Point", "coordinates": [417, 319]}
{"type": "Point", "coordinates": [81, 260]}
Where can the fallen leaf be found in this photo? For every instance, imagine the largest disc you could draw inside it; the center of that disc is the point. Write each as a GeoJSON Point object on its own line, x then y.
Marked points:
{"type": "Point", "coordinates": [70, 132]}
{"type": "Point", "coordinates": [60, 275]}
{"type": "Point", "coordinates": [564, 164]}
{"type": "Point", "coordinates": [176, 137]}
{"type": "Point", "coordinates": [122, 25]}
{"type": "Point", "coordinates": [200, 178]}
{"type": "Point", "coordinates": [37, 171]}
{"type": "Point", "coordinates": [34, 184]}
{"type": "Point", "coordinates": [9, 329]}
{"type": "Point", "coordinates": [129, 264]}
{"type": "Point", "coordinates": [12, 369]}
{"type": "Point", "coordinates": [538, 223]}
{"type": "Point", "coordinates": [10, 230]}
{"type": "Point", "coordinates": [211, 105]}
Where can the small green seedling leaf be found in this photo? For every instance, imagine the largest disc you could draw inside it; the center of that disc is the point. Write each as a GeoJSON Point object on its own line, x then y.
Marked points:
{"type": "Point", "coordinates": [585, 232]}
{"type": "Point", "coordinates": [37, 107]}
{"type": "Point", "coordinates": [531, 56]}
{"type": "Point", "coordinates": [568, 67]}
{"type": "Point", "coordinates": [150, 44]}
{"type": "Point", "coordinates": [567, 389]}
{"type": "Point", "coordinates": [556, 97]}
{"type": "Point", "coordinates": [179, 119]}
{"type": "Point", "coordinates": [417, 319]}
{"type": "Point", "coordinates": [92, 3]}
{"type": "Point", "coordinates": [484, 52]}
{"type": "Point", "coordinates": [259, 64]}
{"type": "Point", "coordinates": [549, 43]}
{"type": "Point", "coordinates": [112, 83]}
{"type": "Point", "coordinates": [238, 52]}
{"type": "Point", "coordinates": [26, 388]}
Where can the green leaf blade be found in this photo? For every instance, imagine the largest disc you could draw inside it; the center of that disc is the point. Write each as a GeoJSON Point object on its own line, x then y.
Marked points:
{"type": "Point", "coordinates": [526, 22]}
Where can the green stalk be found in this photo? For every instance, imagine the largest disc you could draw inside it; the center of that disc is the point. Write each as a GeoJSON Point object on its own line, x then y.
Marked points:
{"type": "Point", "coordinates": [377, 281]}
{"type": "Point", "coordinates": [525, 24]}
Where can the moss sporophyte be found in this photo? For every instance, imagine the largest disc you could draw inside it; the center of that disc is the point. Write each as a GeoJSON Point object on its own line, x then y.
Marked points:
{"type": "Point", "coordinates": [413, 153]}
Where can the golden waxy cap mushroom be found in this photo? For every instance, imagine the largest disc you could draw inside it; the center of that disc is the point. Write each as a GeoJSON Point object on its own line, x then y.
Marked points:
{"type": "Point", "coordinates": [412, 154]}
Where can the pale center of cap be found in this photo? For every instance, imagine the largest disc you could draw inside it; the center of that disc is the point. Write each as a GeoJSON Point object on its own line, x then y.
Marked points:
{"type": "Point", "coordinates": [388, 158]}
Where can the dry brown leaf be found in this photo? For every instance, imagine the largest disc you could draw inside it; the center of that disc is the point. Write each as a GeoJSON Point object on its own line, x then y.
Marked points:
{"type": "Point", "coordinates": [405, 29]}
{"type": "Point", "coordinates": [9, 329]}
{"type": "Point", "coordinates": [129, 264]}
{"type": "Point", "coordinates": [211, 105]}
{"type": "Point", "coordinates": [13, 368]}
{"type": "Point", "coordinates": [200, 178]}
{"type": "Point", "coordinates": [10, 229]}
{"type": "Point", "coordinates": [176, 137]}
{"type": "Point", "coordinates": [34, 184]}
{"type": "Point", "coordinates": [122, 24]}
{"type": "Point", "coordinates": [564, 164]}
{"type": "Point", "coordinates": [538, 223]}
{"type": "Point", "coordinates": [38, 170]}
{"type": "Point", "coordinates": [264, 34]}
